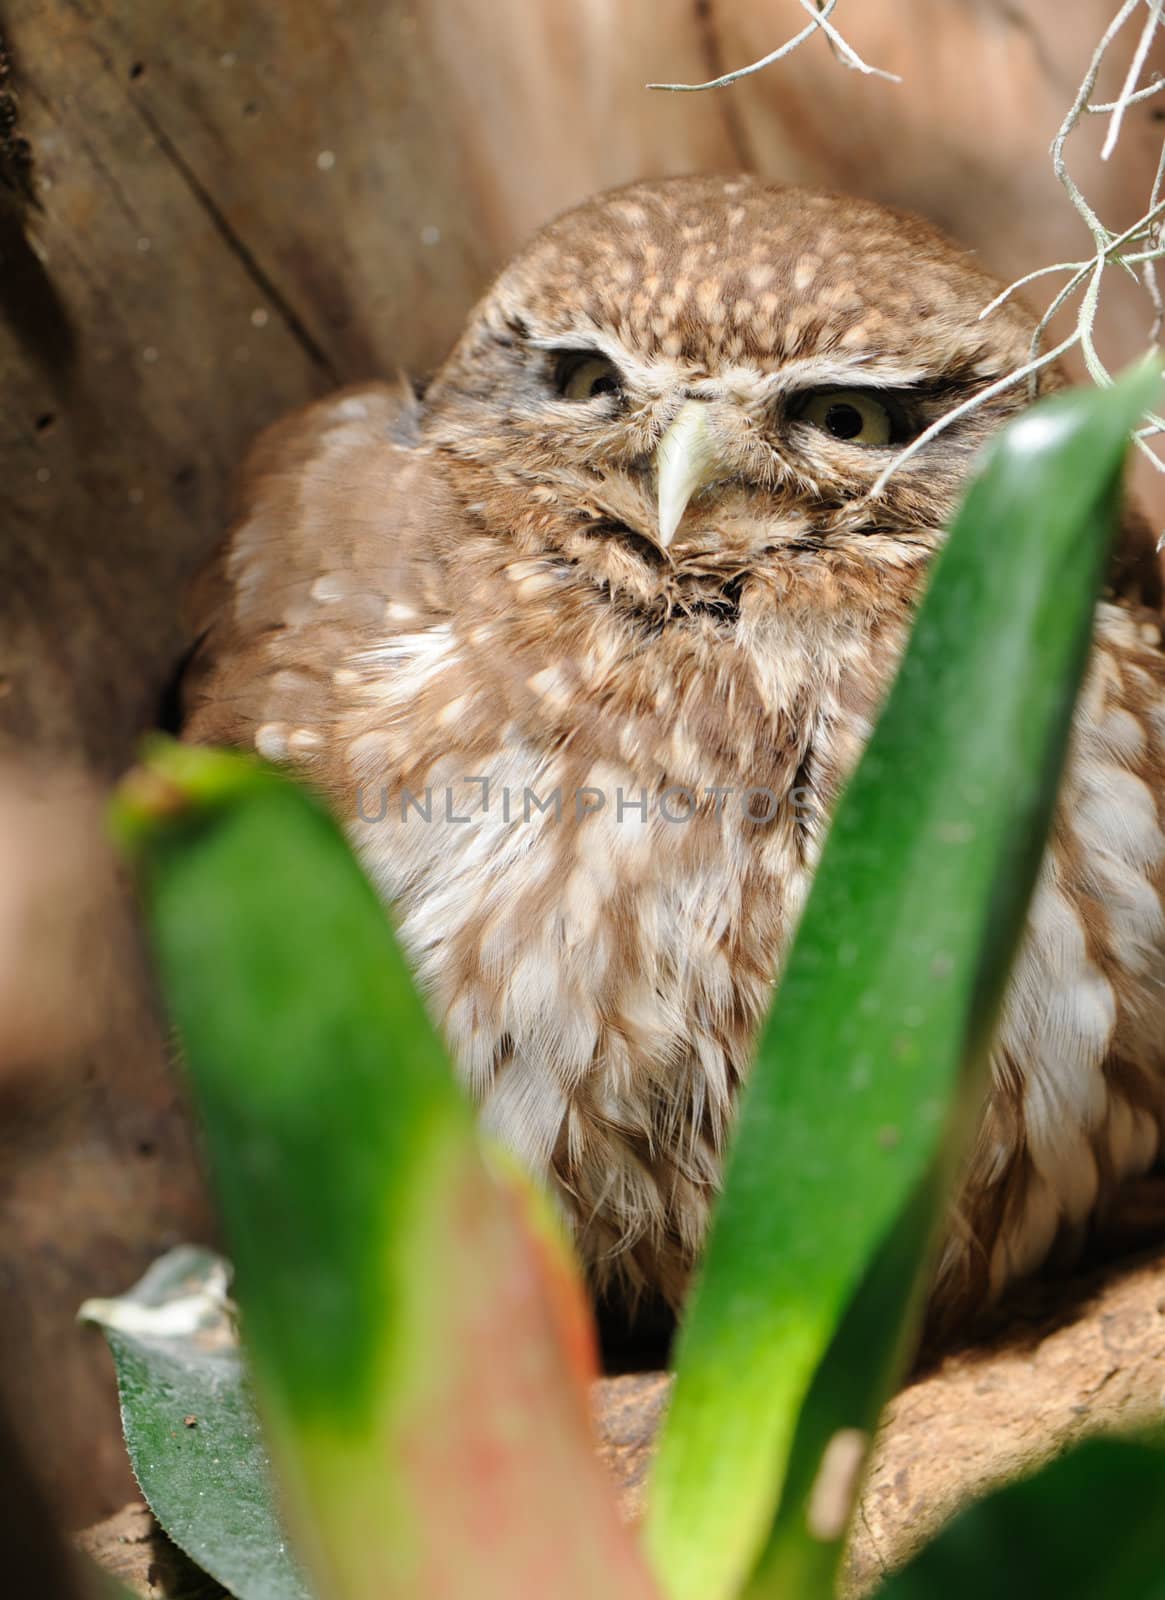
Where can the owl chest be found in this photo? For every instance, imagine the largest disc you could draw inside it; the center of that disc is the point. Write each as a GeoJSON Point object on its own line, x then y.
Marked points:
{"type": "Point", "coordinates": [595, 891]}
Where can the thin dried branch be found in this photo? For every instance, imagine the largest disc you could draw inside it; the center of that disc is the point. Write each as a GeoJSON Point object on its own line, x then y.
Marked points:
{"type": "Point", "coordinates": [1136, 250]}
{"type": "Point", "coordinates": [820, 11]}
{"type": "Point", "coordinates": [1086, 276]}
{"type": "Point", "coordinates": [967, 406]}
{"type": "Point", "coordinates": [1149, 264]}
{"type": "Point", "coordinates": [844, 51]}
{"type": "Point", "coordinates": [1132, 78]}
{"type": "Point", "coordinates": [1146, 93]}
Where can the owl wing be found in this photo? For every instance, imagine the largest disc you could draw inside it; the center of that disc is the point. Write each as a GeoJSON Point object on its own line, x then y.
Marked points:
{"type": "Point", "coordinates": [330, 503]}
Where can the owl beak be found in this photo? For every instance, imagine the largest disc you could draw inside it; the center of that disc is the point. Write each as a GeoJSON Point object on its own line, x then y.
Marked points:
{"type": "Point", "coordinates": [686, 460]}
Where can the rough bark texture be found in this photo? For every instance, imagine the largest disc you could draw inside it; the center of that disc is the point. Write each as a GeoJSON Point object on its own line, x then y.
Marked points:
{"type": "Point", "coordinates": [209, 213]}
{"type": "Point", "coordinates": [132, 1547]}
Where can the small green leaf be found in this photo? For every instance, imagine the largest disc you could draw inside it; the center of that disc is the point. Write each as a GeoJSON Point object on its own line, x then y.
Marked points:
{"type": "Point", "coordinates": [1090, 1524]}
{"type": "Point", "coordinates": [190, 1425]}
{"type": "Point", "coordinates": [415, 1333]}
{"type": "Point", "coordinates": [885, 1013]}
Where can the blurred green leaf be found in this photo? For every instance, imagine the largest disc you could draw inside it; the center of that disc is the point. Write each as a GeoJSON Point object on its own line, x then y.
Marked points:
{"type": "Point", "coordinates": [190, 1425]}
{"type": "Point", "coordinates": [1092, 1524]}
{"type": "Point", "coordinates": [415, 1333]}
{"type": "Point", "coordinates": [884, 1017]}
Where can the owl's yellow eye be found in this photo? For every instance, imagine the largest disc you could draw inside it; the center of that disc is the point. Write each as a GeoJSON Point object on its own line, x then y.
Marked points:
{"type": "Point", "coordinates": [853, 415]}
{"type": "Point", "coordinates": [582, 375]}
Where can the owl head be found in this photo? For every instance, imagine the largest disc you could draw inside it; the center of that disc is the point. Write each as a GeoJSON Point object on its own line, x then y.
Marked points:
{"type": "Point", "coordinates": [689, 388]}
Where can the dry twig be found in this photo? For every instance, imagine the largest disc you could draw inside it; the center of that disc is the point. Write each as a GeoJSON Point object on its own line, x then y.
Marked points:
{"type": "Point", "coordinates": [820, 11]}
{"type": "Point", "coordinates": [1137, 247]}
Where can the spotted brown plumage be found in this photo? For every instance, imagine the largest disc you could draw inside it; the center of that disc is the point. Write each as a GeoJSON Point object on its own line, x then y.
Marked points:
{"type": "Point", "coordinates": [581, 642]}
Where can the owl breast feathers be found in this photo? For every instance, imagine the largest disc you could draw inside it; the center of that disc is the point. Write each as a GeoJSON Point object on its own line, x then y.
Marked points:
{"type": "Point", "coordinates": [580, 643]}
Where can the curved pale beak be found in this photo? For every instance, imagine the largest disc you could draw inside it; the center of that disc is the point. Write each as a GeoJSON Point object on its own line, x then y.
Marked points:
{"type": "Point", "coordinates": [686, 461]}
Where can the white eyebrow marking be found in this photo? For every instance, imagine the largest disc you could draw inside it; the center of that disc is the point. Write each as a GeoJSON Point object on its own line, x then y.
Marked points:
{"type": "Point", "coordinates": [570, 342]}
{"type": "Point", "coordinates": [857, 372]}
{"type": "Point", "coordinates": [658, 374]}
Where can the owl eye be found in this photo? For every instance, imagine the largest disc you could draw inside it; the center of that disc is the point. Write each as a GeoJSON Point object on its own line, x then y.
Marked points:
{"type": "Point", "coordinates": [854, 415]}
{"type": "Point", "coordinates": [583, 375]}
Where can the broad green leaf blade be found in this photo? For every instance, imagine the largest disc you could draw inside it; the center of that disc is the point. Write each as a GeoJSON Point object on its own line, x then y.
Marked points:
{"type": "Point", "coordinates": [891, 990]}
{"type": "Point", "coordinates": [417, 1370]}
{"type": "Point", "coordinates": [190, 1425]}
{"type": "Point", "coordinates": [870, 1348]}
{"type": "Point", "coordinates": [1091, 1524]}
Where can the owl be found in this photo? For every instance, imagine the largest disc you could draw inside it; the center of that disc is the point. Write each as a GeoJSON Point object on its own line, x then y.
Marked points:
{"type": "Point", "coordinates": [581, 639]}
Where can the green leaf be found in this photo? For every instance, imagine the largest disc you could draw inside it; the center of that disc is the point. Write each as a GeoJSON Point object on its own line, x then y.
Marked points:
{"type": "Point", "coordinates": [416, 1336]}
{"type": "Point", "coordinates": [885, 1014]}
{"type": "Point", "coordinates": [190, 1424]}
{"type": "Point", "coordinates": [1092, 1523]}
